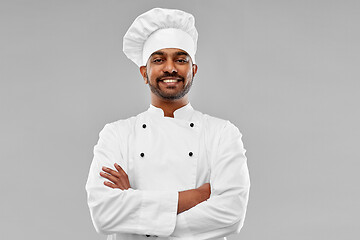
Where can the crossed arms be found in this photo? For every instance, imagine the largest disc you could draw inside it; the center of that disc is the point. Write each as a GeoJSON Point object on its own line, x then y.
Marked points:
{"type": "Point", "coordinates": [117, 208]}
{"type": "Point", "coordinates": [187, 199]}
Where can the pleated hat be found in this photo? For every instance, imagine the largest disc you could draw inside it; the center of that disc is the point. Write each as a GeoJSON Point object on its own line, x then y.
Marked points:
{"type": "Point", "coordinates": [157, 29]}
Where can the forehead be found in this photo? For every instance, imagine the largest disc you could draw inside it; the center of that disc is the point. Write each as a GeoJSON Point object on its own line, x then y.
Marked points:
{"type": "Point", "coordinates": [170, 52]}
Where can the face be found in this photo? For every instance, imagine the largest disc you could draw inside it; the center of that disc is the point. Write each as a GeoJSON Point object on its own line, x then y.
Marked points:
{"type": "Point", "coordinates": [169, 73]}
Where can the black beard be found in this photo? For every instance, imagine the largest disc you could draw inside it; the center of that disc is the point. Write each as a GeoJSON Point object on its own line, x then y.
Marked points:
{"type": "Point", "coordinates": [156, 88]}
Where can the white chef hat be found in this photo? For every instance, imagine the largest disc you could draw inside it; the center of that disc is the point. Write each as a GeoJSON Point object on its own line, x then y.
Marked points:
{"type": "Point", "coordinates": [160, 28]}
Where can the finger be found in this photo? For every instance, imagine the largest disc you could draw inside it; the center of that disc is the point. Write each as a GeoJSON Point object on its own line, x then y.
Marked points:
{"type": "Point", "coordinates": [110, 171]}
{"type": "Point", "coordinates": [109, 184]}
{"type": "Point", "coordinates": [120, 170]}
{"type": "Point", "coordinates": [115, 182]}
{"type": "Point", "coordinates": [110, 177]}
{"type": "Point", "coordinates": [124, 179]}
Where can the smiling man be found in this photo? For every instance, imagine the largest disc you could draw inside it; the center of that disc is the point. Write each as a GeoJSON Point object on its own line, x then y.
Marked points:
{"type": "Point", "coordinates": [170, 65]}
{"type": "Point", "coordinates": [169, 73]}
{"type": "Point", "coordinates": [170, 172]}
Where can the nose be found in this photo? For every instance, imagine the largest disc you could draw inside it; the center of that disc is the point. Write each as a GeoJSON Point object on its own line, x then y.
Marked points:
{"type": "Point", "coordinates": [169, 67]}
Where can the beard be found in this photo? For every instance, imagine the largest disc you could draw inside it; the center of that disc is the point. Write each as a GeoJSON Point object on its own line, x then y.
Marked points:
{"type": "Point", "coordinates": [155, 88]}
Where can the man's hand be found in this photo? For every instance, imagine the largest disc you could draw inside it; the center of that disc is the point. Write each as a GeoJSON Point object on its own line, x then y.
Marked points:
{"type": "Point", "coordinates": [119, 179]}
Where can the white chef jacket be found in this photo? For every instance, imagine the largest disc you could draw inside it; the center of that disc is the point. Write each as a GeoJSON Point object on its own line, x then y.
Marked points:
{"type": "Point", "coordinates": [163, 156]}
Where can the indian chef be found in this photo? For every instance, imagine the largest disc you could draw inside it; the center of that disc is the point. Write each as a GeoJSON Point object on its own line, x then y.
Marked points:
{"type": "Point", "coordinates": [170, 172]}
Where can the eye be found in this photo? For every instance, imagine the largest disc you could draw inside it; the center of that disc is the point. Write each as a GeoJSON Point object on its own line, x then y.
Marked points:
{"type": "Point", "coordinates": [157, 60]}
{"type": "Point", "coordinates": [182, 60]}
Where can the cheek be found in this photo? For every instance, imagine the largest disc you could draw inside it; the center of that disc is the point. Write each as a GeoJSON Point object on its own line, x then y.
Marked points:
{"type": "Point", "coordinates": [152, 73]}
{"type": "Point", "coordinates": [189, 73]}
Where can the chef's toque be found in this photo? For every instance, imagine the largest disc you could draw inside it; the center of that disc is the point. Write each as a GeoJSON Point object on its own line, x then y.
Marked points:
{"type": "Point", "coordinates": [160, 28]}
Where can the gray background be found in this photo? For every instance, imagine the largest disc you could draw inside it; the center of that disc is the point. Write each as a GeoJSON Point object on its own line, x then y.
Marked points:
{"type": "Point", "coordinates": [285, 72]}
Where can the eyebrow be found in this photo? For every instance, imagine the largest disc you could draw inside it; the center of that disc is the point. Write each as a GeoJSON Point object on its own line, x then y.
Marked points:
{"type": "Point", "coordinates": [157, 53]}
{"type": "Point", "coordinates": [179, 53]}
{"type": "Point", "coordinates": [182, 53]}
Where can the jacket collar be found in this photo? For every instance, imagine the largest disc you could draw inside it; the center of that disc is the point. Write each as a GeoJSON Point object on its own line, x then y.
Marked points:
{"type": "Point", "coordinates": [183, 113]}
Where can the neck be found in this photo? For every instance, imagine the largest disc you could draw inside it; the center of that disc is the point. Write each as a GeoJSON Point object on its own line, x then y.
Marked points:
{"type": "Point", "coordinates": [169, 106]}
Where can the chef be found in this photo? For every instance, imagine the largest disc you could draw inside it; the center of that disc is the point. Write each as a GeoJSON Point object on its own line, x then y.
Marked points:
{"type": "Point", "coordinates": [170, 172]}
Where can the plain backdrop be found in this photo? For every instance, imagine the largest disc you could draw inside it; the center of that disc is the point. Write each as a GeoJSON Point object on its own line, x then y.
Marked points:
{"type": "Point", "coordinates": [285, 72]}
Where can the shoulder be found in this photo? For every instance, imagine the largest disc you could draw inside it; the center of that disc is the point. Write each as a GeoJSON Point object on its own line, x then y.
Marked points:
{"type": "Point", "coordinates": [122, 124]}
{"type": "Point", "coordinates": [121, 127]}
{"type": "Point", "coordinates": [219, 125]}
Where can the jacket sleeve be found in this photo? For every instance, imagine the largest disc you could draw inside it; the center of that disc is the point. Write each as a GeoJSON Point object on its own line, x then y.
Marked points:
{"type": "Point", "coordinates": [224, 212]}
{"type": "Point", "coordinates": [125, 211]}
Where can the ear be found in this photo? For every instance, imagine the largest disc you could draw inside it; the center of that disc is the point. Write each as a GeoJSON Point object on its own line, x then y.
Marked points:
{"type": "Point", "coordinates": [144, 74]}
{"type": "Point", "coordinates": [194, 68]}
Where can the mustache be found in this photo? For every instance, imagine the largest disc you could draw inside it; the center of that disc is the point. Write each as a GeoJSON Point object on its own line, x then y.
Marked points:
{"type": "Point", "coordinates": [173, 75]}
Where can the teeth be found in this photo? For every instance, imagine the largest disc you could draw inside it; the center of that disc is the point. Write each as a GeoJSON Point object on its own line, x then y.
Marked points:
{"type": "Point", "coordinates": [170, 80]}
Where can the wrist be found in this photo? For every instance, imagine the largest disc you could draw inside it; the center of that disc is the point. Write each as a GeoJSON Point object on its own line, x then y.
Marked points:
{"type": "Point", "coordinates": [204, 192]}
{"type": "Point", "coordinates": [191, 198]}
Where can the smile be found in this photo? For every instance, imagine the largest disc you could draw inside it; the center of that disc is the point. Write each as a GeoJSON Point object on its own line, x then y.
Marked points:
{"type": "Point", "coordinates": [169, 80]}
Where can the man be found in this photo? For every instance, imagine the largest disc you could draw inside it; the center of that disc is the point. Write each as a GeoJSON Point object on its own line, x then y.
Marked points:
{"type": "Point", "coordinates": [170, 172]}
